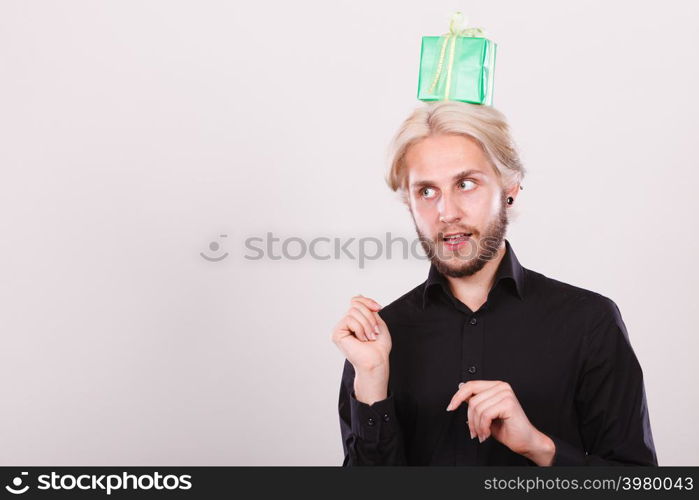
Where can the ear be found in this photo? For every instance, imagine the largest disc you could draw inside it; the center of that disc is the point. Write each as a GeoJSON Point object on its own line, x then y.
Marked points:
{"type": "Point", "coordinates": [514, 191]}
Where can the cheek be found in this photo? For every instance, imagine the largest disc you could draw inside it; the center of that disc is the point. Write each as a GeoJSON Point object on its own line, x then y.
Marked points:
{"type": "Point", "coordinates": [483, 206]}
{"type": "Point", "coordinates": [495, 204]}
{"type": "Point", "coordinates": [425, 214]}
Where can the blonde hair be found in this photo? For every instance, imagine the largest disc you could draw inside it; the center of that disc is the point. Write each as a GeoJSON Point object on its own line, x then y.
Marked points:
{"type": "Point", "coordinates": [485, 124]}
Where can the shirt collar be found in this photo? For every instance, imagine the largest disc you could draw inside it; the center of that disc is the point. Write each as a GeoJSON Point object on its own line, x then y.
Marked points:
{"type": "Point", "coordinates": [509, 269]}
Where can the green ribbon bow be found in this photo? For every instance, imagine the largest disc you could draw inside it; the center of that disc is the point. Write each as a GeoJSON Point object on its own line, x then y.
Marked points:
{"type": "Point", "coordinates": [455, 30]}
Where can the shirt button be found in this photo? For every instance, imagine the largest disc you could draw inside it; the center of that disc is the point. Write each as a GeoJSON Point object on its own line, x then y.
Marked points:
{"type": "Point", "coordinates": [472, 369]}
{"type": "Point", "coordinates": [386, 418]}
{"type": "Point", "coordinates": [473, 321]}
{"type": "Point", "coordinates": [370, 421]}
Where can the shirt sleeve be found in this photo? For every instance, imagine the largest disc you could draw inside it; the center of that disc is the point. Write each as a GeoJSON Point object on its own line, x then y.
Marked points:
{"type": "Point", "coordinates": [371, 434]}
{"type": "Point", "coordinates": [610, 399]}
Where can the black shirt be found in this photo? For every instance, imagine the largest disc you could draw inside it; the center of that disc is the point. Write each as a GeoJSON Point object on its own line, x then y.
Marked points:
{"type": "Point", "coordinates": [564, 351]}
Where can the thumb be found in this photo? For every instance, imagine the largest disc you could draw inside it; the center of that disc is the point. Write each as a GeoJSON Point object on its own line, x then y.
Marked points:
{"type": "Point", "coordinates": [383, 328]}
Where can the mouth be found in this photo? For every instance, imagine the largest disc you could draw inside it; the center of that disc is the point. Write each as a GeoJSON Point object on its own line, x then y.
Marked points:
{"type": "Point", "coordinates": [455, 240]}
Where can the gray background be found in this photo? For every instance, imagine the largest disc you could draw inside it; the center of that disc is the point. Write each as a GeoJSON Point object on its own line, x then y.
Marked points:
{"type": "Point", "coordinates": [135, 133]}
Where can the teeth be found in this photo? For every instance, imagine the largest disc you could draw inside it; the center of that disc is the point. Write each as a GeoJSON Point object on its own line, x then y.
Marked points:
{"type": "Point", "coordinates": [455, 236]}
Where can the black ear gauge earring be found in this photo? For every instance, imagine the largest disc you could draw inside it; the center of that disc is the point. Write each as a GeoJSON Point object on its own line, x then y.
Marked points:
{"type": "Point", "coordinates": [510, 200]}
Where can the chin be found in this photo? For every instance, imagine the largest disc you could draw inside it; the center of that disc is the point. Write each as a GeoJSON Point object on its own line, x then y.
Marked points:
{"type": "Point", "coordinates": [458, 268]}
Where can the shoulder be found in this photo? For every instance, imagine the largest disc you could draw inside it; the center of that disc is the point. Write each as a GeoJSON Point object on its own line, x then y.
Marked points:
{"type": "Point", "coordinates": [405, 309]}
{"type": "Point", "coordinates": [540, 287]}
{"type": "Point", "coordinates": [590, 308]}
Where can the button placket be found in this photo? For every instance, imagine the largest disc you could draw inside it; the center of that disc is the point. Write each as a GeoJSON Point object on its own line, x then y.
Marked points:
{"type": "Point", "coordinates": [472, 342]}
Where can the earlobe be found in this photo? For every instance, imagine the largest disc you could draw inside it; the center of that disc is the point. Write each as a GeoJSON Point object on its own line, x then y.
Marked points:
{"type": "Point", "coordinates": [510, 199]}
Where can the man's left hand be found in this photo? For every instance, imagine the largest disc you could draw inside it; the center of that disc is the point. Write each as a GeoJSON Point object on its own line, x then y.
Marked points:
{"type": "Point", "coordinates": [493, 410]}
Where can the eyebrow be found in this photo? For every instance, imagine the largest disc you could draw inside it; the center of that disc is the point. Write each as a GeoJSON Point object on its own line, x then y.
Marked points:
{"type": "Point", "coordinates": [460, 175]}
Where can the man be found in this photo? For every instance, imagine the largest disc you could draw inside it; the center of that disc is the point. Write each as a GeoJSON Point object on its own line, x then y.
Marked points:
{"type": "Point", "coordinates": [486, 362]}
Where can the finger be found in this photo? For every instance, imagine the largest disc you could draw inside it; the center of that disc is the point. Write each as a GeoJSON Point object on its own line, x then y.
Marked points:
{"type": "Point", "coordinates": [356, 328]}
{"type": "Point", "coordinates": [459, 397]}
{"type": "Point", "coordinates": [489, 392]}
{"type": "Point", "coordinates": [369, 315]}
{"type": "Point", "coordinates": [476, 399]}
{"type": "Point", "coordinates": [481, 399]}
{"type": "Point", "coordinates": [486, 413]}
{"type": "Point", "coordinates": [341, 330]}
{"type": "Point", "coordinates": [468, 415]}
{"type": "Point", "coordinates": [369, 300]}
{"type": "Point", "coordinates": [370, 303]}
{"type": "Point", "coordinates": [380, 325]}
{"type": "Point", "coordinates": [467, 390]}
{"type": "Point", "coordinates": [383, 327]}
{"type": "Point", "coordinates": [367, 326]}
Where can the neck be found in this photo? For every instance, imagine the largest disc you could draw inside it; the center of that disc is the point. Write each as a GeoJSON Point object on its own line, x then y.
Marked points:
{"type": "Point", "coordinates": [473, 290]}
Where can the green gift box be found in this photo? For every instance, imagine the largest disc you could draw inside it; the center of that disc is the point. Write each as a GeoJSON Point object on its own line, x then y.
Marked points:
{"type": "Point", "coordinates": [457, 66]}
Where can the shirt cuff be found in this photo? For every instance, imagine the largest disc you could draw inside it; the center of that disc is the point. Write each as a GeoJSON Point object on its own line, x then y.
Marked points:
{"type": "Point", "coordinates": [375, 422]}
{"type": "Point", "coordinates": [566, 453]}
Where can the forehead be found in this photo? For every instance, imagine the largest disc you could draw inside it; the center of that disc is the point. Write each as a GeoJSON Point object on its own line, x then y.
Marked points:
{"type": "Point", "coordinates": [439, 157]}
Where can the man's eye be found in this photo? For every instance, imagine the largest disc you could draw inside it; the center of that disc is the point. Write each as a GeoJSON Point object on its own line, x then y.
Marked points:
{"type": "Point", "coordinates": [466, 185]}
{"type": "Point", "coordinates": [428, 192]}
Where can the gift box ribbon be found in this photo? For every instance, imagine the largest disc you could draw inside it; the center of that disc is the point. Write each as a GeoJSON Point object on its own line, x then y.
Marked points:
{"type": "Point", "coordinates": [455, 30]}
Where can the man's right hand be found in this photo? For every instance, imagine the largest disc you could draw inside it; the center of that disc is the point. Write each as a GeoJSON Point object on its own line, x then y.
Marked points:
{"type": "Point", "coordinates": [362, 335]}
{"type": "Point", "coordinates": [356, 336]}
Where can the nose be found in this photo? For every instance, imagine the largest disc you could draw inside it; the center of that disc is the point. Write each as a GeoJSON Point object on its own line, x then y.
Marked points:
{"type": "Point", "coordinates": [448, 210]}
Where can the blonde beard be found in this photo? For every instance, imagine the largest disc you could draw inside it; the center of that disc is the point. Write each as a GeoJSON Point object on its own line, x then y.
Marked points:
{"type": "Point", "coordinates": [487, 246]}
